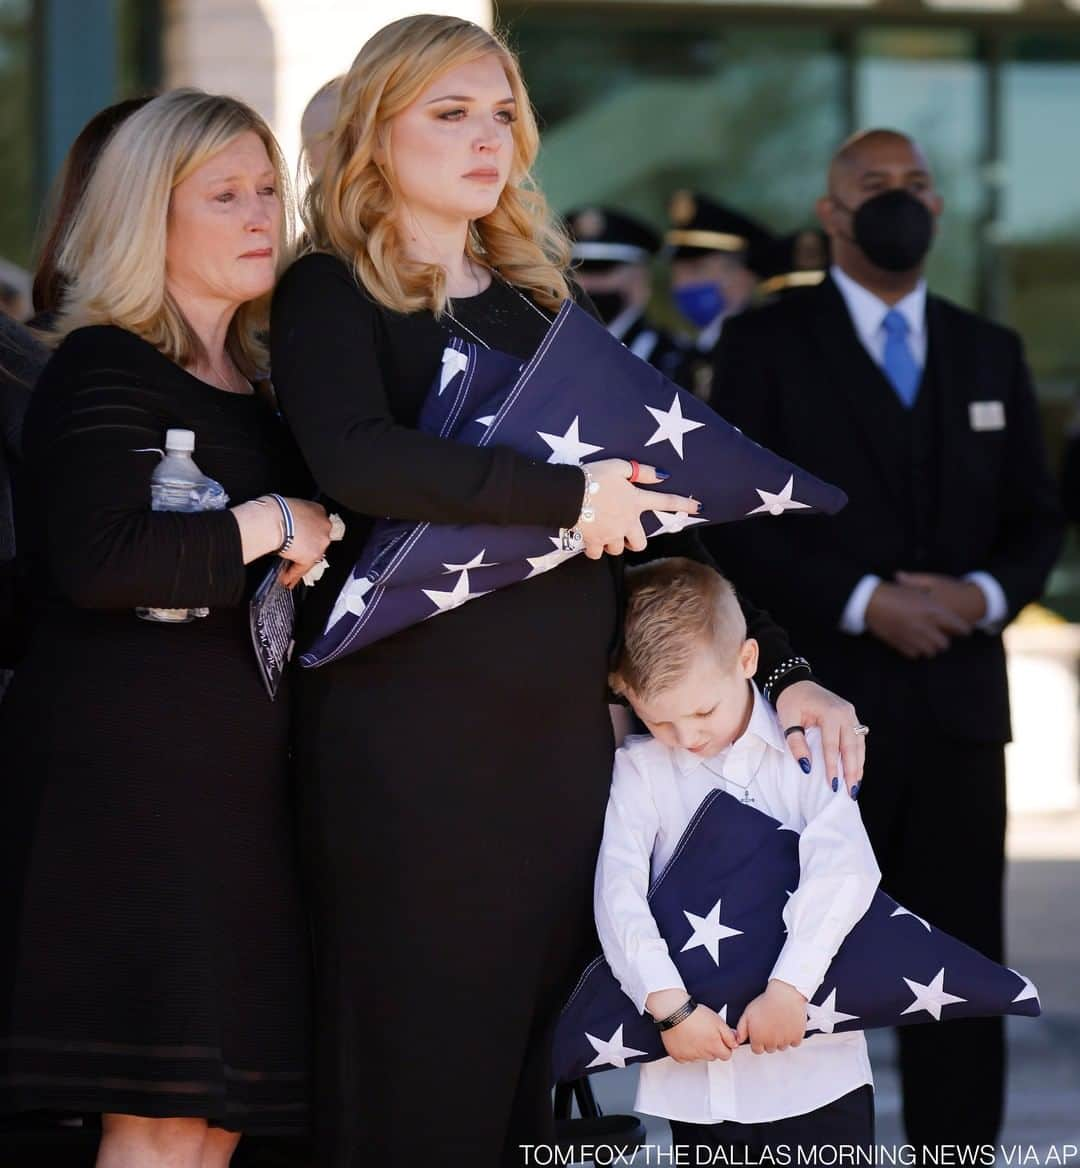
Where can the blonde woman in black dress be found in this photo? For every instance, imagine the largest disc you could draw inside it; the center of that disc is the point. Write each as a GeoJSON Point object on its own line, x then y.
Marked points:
{"type": "Point", "coordinates": [155, 966]}
{"type": "Point", "coordinates": [453, 776]}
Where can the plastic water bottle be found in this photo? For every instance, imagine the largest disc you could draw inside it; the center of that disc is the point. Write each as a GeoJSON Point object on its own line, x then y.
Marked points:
{"type": "Point", "coordinates": [177, 484]}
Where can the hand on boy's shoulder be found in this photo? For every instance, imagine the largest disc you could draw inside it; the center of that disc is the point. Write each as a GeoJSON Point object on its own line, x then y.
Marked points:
{"type": "Point", "coordinates": [812, 737]}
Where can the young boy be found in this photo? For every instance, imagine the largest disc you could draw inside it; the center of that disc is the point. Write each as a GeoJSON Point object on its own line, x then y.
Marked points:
{"type": "Point", "coordinates": [686, 668]}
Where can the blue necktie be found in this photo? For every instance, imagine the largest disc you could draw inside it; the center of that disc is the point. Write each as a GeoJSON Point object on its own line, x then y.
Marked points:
{"type": "Point", "coordinates": [899, 364]}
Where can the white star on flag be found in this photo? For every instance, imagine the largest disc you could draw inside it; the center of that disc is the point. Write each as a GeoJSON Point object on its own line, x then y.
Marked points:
{"type": "Point", "coordinates": [351, 600]}
{"type": "Point", "coordinates": [826, 1016]}
{"type": "Point", "coordinates": [930, 997]}
{"type": "Point", "coordinates": [1029, 991]}
{"type": "Point", "coordinates": [539, 564]}
{"type": "Point", "coordinates": [674, 521]}
{"type": "Point", "coordinates": [612, 1052]}
{"type": "Point", "coordinates": [779, 503]}
{"type": "Point", "coordinates": [447, 601]}
{"type": "Point", "coordinates": [476, 562]}
{"type": "Point", "coordinates": [708, 932]}
{"type": "Point", "coordinates": [355, 593]}
{"type": "Point", "coordinates": [453, 363]}
{"type": "Point", "coordinates": [671, 426]}
{"type": "Point", "coordinates": [568, 448]}
{"type": "Point", "coordinates": [486, 420]}
{"type": "Point", "coordinates": [906, 912]}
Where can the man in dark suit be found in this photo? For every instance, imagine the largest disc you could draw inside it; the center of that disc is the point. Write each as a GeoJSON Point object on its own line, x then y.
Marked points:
{"type": "Point", "coordinates": [924, 413]}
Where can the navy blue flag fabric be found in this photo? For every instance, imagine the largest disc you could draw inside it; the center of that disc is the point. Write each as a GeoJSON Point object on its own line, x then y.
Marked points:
{"type": "Point", "coordinates": [583, 396]}
{"type": "Point", "coordinates": [719, 904]}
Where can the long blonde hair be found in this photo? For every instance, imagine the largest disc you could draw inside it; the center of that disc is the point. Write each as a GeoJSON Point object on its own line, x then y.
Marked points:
{"type": "Point", "coordinates": [348, 209]}
{"type": "Point", "coordinates": [114, 247]}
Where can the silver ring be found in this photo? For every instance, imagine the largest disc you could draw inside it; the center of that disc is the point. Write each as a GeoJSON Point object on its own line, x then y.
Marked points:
{"type": "Point", "coordinates": [862, 730]}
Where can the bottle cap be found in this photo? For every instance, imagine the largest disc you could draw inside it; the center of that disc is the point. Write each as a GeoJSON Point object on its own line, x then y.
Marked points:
{"type": "Point", "coordinates": [180, 440]}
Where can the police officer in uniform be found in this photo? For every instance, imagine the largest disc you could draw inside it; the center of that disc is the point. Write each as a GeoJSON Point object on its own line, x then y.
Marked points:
{"type": "Point", "coordinates": [717, 255]}
{"type": "Point", "coordinates": [792, 263]}
{"type": "Point", "coordinates": [612, 254]}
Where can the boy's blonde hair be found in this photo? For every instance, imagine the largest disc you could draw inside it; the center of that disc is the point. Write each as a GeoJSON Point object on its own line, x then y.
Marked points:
{"type": "Point", "coordinates": [674, 608]}
{"type": "Point", "coordinates": [114, 249]}
{"type": "Point", "coordinates": [349, 208]}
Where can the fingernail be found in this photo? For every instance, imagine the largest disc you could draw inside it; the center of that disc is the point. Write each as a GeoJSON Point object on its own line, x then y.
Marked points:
{"type": "Point", "coordinates": [855, 791]}
{"type": "Point", "coordinates": [836, 784]}
{"type": "Point", "coordinates": [661, 474]}
{"type": "Point", "coordinates": [805, 764]}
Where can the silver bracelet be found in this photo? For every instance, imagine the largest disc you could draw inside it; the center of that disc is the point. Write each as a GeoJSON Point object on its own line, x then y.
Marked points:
{"type": "Point", "coordinates": [571, 538]}
{"type": "Point", "coordinates": [781, 671]}
{"type": "Point", "coordinates": [288, 524]}
{"type": "Point", "coordinates": [588, 513]}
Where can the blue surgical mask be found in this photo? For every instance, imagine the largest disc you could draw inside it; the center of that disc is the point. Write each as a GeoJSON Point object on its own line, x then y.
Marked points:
{"type": "Point", "coordinates": [701, 304]}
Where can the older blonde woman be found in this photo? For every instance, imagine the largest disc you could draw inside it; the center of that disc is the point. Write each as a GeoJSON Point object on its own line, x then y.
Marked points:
{"type": "Point", "coordinates": [155, 963]}
{"type": "Point", "coordinates": [454, 776]}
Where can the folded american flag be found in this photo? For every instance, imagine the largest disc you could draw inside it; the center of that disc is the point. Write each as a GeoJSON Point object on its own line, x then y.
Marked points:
{"type": "Point", "coordinates": [719, 904]}
{"type": "Point", "coordinates": [583, 396]}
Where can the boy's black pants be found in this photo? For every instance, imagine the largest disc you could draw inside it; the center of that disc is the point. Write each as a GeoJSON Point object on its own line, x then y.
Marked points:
{"type": "Point", "coordinates": [848, 1120]}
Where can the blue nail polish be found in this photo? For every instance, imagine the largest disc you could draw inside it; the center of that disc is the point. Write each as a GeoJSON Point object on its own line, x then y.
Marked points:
{"type": "Point", "coordinates": [855, 791]}
{"type": "Point", "coordinates": [836, 785]}
{"type": "Point", "coordinates": [661, 474]}
{"type": "Point", "coordinates": [805, 764]}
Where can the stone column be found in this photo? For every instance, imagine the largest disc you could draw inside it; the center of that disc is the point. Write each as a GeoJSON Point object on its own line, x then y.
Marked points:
{"type": "Point", "coordinates": [276, 53]}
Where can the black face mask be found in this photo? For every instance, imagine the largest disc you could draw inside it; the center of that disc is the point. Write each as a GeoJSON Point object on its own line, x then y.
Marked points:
{"type": "Point", "coordinates": [893, 230]}
{"type": "Point", "coordinates": [608, 304]}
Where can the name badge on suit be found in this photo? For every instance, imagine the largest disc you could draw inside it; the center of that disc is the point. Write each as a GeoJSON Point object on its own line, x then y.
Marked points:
{"type": "Point", "coordinates": [987, 415]}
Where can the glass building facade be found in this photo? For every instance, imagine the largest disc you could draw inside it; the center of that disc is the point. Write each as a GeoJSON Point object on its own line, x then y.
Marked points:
{"type": "Point", "coordinates": [61, 61]}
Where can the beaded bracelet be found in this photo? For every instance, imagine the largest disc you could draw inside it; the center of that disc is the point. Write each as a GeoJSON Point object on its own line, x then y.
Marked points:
{"type": "Point", "coordinates": [570, 538]}
{"type": "Point", "coordinates": [588, 513]}
{"type": "Point", "coordinates": [781, 671]}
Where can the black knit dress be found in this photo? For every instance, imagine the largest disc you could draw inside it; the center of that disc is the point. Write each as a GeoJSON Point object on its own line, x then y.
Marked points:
{"type": "Point", "coordinates": [155, 955]}
{"type": "Point", "coordinates": [453, 777]}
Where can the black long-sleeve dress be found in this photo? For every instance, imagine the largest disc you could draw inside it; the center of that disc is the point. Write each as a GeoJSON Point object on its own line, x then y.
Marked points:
{"type": "Point", "coordinates": [453, 777]}
{"type": "Point", "coordinates": [21, 360]}
{"type": "Point", "coordinates": [155, 956]}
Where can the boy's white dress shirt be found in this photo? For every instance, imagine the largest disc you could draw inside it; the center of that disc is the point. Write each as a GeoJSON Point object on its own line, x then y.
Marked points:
{"type": "Point", "coordinates": [654, 794]}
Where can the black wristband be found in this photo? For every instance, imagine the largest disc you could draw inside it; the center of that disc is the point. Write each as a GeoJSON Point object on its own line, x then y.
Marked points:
{"type": "Point", "coordinates": [785, 674]}
{"type": "Point", "coordinates": [680, 1015]}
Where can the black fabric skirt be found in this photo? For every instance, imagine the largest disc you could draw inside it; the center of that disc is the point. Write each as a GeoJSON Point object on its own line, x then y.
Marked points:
{"type": "Point", "coordinates": [158, 960]}
{"type": "Point", "coordinates": [453, 780]}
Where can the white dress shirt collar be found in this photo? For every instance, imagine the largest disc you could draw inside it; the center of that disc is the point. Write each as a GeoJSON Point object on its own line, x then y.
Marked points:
{"type": "Point", "coordinates": [761, 729]}
{"type": "Point", "coordinates": [868, 312]}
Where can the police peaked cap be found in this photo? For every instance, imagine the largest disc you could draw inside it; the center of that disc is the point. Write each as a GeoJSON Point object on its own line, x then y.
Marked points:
{"type": "Point", "coordinates": [798, 260]}
{"type": "Point", "coordinates": [602, 237]}
{"type": "Point", "coordinates": [700, 225]}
